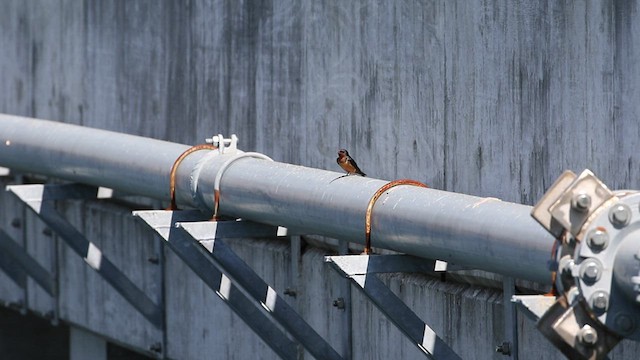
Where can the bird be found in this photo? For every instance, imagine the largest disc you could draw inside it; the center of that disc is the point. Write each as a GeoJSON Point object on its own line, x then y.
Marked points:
{"type": "Point", "coordinates": [348, 164]}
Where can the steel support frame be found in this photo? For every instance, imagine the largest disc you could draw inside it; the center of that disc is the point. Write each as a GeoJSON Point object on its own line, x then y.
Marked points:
{"type": "Point", "coordinates": [510, 346]}
{"type": "Point", "coordinates": [199, 244]}
{"type": "Point", "coordinates": [18, 270]}
{"type": "Point", "coordinates": [347, 319]}
{"type": "Point", "coordinates": [40, 198]}
{"type": "Point", "coordinates": [18, 265]}
{"type": "Point", "coordinates": [362, 269]}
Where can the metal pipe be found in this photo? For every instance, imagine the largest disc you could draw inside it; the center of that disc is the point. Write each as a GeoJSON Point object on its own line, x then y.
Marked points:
{"type": "Point", "coordinates": [483, 233]}
{"type": "Point", "coordinates": [124, 162]}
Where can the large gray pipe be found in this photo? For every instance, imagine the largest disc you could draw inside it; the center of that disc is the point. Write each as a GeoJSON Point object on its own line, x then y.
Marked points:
{"type": "Point", "coordinates": [483, 233]}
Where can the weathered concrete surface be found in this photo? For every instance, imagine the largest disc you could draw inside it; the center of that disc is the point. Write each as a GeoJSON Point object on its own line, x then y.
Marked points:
{"type": "Point", "coordinates": [481, 97]}
{"type": "Point", "coordinates": [200, 317]}
{"type": "Point", "coordinates": [489, 98]}
{"type": "Point", "coordinates": [9, 215]}
{"type": "Point", "coordinates": [129, 246]}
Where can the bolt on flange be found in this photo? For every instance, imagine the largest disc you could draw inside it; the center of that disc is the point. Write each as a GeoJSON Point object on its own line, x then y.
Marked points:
{"type": "Point", "coordinates": [599, 301]}
{"type": "Point", "coordinates": [598, 240]}
{"type": "Point", "coordinates": [581, 202]}
{"type": "Point", "coordinates": [590, 271]}
{"type": "Point", "coordinates": [620, 215]}
{"type": "Point", "coordinates": [588, 335]}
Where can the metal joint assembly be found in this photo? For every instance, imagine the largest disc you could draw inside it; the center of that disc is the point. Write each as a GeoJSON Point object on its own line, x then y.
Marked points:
{"type": "Point", "coordinates": [216, 185]}
{"type": "Point", "coordinates": [224, 146]}
{"type": "Point", "coordinates": [596, 263]}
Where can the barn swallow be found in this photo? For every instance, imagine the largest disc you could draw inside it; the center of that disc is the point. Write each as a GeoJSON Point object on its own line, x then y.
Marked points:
{"type": "Point", "coordinates": [348, 164]}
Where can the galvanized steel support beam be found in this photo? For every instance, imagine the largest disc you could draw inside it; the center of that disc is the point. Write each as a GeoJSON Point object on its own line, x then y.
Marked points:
{"type": "Point", "coordinates": [9, 265]}
{"type": "Point", "coordinates": [347, 318]}
{"type": "Point", "coordinates": [164, 223]}
{"type": "Point", "coordinates": [510, 345]}
{"type": "Point", "coordinates": [199, 245]}
{"type": "Point", "coordinates": [18, 264]}
{"type": "Point", "coordinates": [39, 199]}
{"type": "Point", "coordinates": [533, 306]}
{"type": "Point", "coordinates": [295, 247]}
{"type": "Point", "coordinates": [279, 310]}
{"type": "Point", "coordinates": [483, 233]}
{"type": "Point", "coordinates": [357, 269]}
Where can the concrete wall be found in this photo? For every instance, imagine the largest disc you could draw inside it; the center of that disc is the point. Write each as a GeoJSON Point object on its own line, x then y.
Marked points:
{"type": "Point", "coordinates": [483, 97]}
{"type": "Point", "coordinates": [491, 98]}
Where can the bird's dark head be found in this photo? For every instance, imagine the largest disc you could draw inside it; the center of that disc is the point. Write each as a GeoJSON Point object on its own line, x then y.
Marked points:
{"type": "Point", "coordinates": [343, 152]}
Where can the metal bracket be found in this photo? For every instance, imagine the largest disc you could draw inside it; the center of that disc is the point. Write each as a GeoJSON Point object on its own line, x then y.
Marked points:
{"type": "Point", "coordinates": [18, 264]}
{"type": "Point", "coordinates": [510, 346]}
{"type": "Point", "coordinates": [14, 270]}
{"type": "Point", "coordinates": [559, 321]}
{"type": "Point", "coordinates": [361, 269]}
{"type": "Point", "coordinates": [223, 168]}
{"type": "Point", "coordinates": [39, 198]}
{"type": "Point", "coordinates": [570, 201]}
{"type": "Point", "coordinates": [198, 243]}
{"type": "Point", "coordinates": [225, 146]}
{"type": "Point", "coordinates": [534, 306]}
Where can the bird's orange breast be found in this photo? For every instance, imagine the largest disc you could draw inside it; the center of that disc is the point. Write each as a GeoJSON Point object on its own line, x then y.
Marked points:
{"type": "Point", "coordinates": [346, 165]}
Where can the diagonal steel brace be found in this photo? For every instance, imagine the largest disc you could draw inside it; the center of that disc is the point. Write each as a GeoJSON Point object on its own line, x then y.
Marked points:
{"type": "Point", "coordinates": [361, 269]}
{"type": "Point", "coordinates": [39, 199]}
{"type": "Point", "coordinates": [213, 247]}
{"type": "Point", "coordinates": [11, 267]}
{"type": "Point", "coordinates": [208, 248]}
{"type": "Point", "coordinates": [18, 264]}
{"type": "Point", "coordinates": [164, 223]}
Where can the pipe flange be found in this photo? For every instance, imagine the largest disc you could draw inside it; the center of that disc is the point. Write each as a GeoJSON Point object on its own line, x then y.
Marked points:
{"type": "Point", "coordinates": [607, 265]}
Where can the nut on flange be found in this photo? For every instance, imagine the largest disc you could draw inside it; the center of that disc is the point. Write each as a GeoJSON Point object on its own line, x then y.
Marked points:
{"type": "Point", "coordinates": [599, 301]}
{"type": "Point", "coordinates": [620, 215]}
{"type": "Point", "coordinates": [598, 240]}
{"type": "Point", "coordinates": [581, 202]}
{"type": "Point", "coordinates": [588, 335]}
